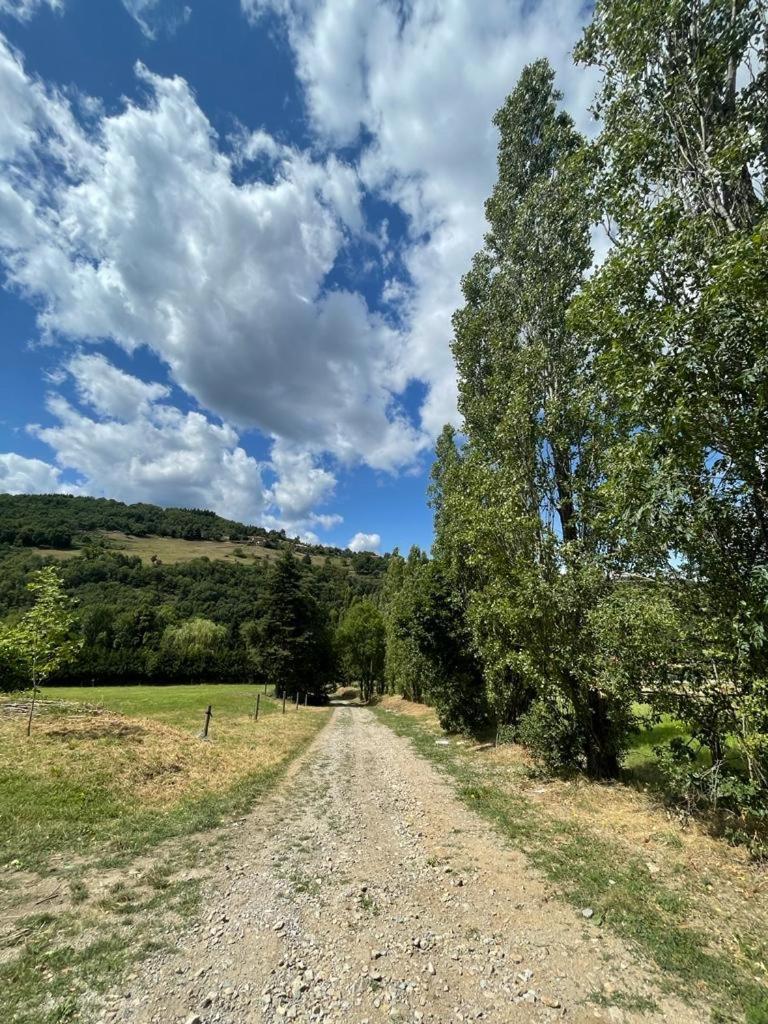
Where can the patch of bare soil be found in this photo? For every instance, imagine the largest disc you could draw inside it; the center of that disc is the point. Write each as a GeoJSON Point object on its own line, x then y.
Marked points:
{"type": "Point", "coordinates": [365, 891]}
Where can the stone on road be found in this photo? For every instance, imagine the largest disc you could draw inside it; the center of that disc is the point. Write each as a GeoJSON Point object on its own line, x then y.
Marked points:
{"type": "Point", "coordinates": [364, 891]}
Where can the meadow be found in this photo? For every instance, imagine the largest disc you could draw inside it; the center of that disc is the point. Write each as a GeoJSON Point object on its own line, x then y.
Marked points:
{"type": "Point", "coordinates": [107, 819]}
{"type": "Point", "coordinates": [117, 769]}
{"type": "Point", "coordinates": [172, 550]}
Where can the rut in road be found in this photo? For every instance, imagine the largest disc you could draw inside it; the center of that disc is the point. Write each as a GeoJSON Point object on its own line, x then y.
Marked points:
{"type": "Point", "coordinates": [365, 891]}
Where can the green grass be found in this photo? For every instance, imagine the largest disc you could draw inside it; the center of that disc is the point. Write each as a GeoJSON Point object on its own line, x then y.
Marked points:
{"type": "Point", "coordinates": [70, 793]}
{"type": "Point", "coordinates": [178, 705]}
{"type": "Point", "coordinates": [593, 871]}
{"type": "Point", "coordinates": [61, 957]}
{"type": "Point", "coordinates": [640, 761]}
{"type": "Point", "coordinates": [89, 792]}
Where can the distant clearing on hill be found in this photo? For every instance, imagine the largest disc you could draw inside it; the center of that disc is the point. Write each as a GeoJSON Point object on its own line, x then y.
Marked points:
{"type": "Point", "coordinates": [172, 550]}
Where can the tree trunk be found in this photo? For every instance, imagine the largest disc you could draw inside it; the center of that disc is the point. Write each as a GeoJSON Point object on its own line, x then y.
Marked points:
{"type": "Point", "coordinates": [564, 485]}
{"type": "Point", "coordinates": [602, 761]}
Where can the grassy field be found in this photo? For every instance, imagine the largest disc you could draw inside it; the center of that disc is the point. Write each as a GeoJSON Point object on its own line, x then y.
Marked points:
{"type": "Point", "coordinates": [171, 550]}
{"type": "Point", "coordinates": [105, 825]}
{"type": "Point", "coordinates": [692, 905]}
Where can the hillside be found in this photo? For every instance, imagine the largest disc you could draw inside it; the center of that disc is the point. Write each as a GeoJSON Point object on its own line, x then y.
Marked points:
{"type": "Point", "coordinates": [167, 595]}
{"type": "Point", "coordinates": [64, 522]}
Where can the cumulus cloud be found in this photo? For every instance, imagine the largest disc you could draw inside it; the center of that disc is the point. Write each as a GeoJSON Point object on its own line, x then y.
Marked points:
{"type": "Point", "coordinates": [136, 230]}
{"type": "Point", "coordinates": [422, 80]}
{"type": "Point", "coordinates": [110, 391]}
{"type": "Point", "coordinates": [20, 475]}
{"type": "Point", "coordinates": [131, 445]}
{"type": "Point", "coordinates": [142, 227]}
{"type": "Point", "coordinates": [124, 439]}
{"type": "Point", "coordinates": [365, 542]}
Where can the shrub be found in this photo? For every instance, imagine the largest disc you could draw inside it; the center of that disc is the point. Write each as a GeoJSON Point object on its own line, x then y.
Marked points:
{"type": "Point", "coordinates": [550, 730]}
{"type": "Point", "coordinates": [737, 803]}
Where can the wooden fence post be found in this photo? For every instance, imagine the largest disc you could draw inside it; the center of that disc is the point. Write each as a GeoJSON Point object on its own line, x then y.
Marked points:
{"type": "Point", "coordinates": [306, 697]}
{"type": "Point", "coordinates": [297, 701]}
{"type": "Point", "coordinates": [208, 717]}
{"type": "Point", "coordinates": [256, 712]}
{"type": "Point", "coordinates": [283, 701]}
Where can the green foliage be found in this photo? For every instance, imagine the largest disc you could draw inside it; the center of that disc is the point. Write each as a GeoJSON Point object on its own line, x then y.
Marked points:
{"type": "Point", "coordinates": [550, 729]}
{"type": "Point", "coordinates": [63, 520]}
{"type": "Point", "coordinates": [676, 315]}
{"type": "Point", "coordinates": [129, 612]}
{"type": "Point", "coordinates": [360, 641]}
{"type": "Point", "coordinates": [518, 519]}
{"type": "Point", "coordinates": [193, 647]}
{"type": "Point", "coordinates": [294, 638]}
{"type": "Point", "coordinates": [602, 522]}
{"type": "Point", "coordinates": [428, 652]}
{"type": "Point", "coordinates": [43, 639]}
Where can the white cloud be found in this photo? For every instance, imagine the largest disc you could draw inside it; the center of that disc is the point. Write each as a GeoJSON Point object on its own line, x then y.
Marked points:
{"type": "Point", "coordinates": [125, 440]}
{"type": "Point", "coordinates": [135, 447]}
{"type": "Point", "coordinates": [153, 16]}
{"type": "Point", "coordinates": [20, 475]}
{"type": "Point", "coordinates": [141, 228]}
{"type": "Point", "coordinates": [24, 9]}
{"type": "Point", "coordinates": [302, 485]}
{"type": "Point", "coordinates": [138, 232]}
{"type": "Point", "coordinates": [424, 80]}
{"type": "Point", "coordinates": [111, 391]}
{"type": "Point", "coordinates": [365, 542]}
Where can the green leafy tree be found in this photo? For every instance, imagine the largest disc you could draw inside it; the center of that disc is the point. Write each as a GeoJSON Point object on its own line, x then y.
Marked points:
{"type": "Point", "coordinates": [523, 496]}
{"type": "Point", "coordinates": [429, 650]}
{"type": "Point", "coordinates": [294, 637]}
{"type": "Point", "coordinates": [193, 648]}
{"type": "Point", "coordinates": [43, 640]}
{"type": "Point", "coordinates": [360, 640]}
{"type": "Point", "coordinates": [677, 315]}
{"type": "Point", "coordinates": [406, 668]}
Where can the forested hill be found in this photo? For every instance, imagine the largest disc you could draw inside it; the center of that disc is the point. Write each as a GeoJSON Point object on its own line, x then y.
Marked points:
{"type": "Point", "coordinates": [222, 618]}
{"type": "Point", "coordinates": [57, 520]}
{"type": "Point", "coordinates": [54, 520]}
{"type": "Point", "coordinates": [182, 595]}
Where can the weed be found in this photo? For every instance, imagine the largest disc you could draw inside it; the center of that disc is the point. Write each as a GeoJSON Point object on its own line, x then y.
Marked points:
{"type": "Point", "coordinates": [78, 890]}
{"type": "Point", "coordinates": [367, 902]}
{"type": "Point", "coordinates": [632, 1002]}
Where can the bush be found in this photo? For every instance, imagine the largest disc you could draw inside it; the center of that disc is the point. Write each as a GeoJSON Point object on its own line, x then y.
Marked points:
{"type": "Point", "coordinates": [459, 700]}
{"type": "Point", "coordinates": [738, 805]}
{"type": "Point", "coordinates": [550, 730]}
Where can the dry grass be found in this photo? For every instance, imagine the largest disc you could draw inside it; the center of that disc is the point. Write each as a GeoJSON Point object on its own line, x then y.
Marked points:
{"type": "Point", "coordinates": [172, 550]}
{"type": "Point", "coordinates": [149, 762]}
{"type": "Point", "coordinates": [425, 716]}
{"type": "Point", "coordinates": [135, 770]}
{"type": "Point", "coordinates": [728, 893]}
{"type": "Point", "coordinates": [106, 819]}
{"type": "Point", "coordinates": [698, 906]}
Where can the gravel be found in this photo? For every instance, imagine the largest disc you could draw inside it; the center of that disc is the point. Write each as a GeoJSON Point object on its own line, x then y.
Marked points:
{"type": "Point", "coordinates": [364, 891]}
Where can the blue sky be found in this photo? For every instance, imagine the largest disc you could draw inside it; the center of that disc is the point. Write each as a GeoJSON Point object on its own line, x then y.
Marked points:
{"type": "Point", "coordinates": [232, 234]}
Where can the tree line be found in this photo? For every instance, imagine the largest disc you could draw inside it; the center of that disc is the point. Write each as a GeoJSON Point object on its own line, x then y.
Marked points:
{"type": "Point", "coordinates": [601, 515]}
{"type": "Point", "coordinates": [288, 623]}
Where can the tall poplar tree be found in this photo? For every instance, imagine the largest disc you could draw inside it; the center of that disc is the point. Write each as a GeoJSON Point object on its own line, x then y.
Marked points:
{"type": "Point", "coordinates": [525, 501]}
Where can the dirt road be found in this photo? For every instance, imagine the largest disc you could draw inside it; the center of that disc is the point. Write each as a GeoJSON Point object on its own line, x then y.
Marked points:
{"type": "Point", "coordinates": [364, 891]}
